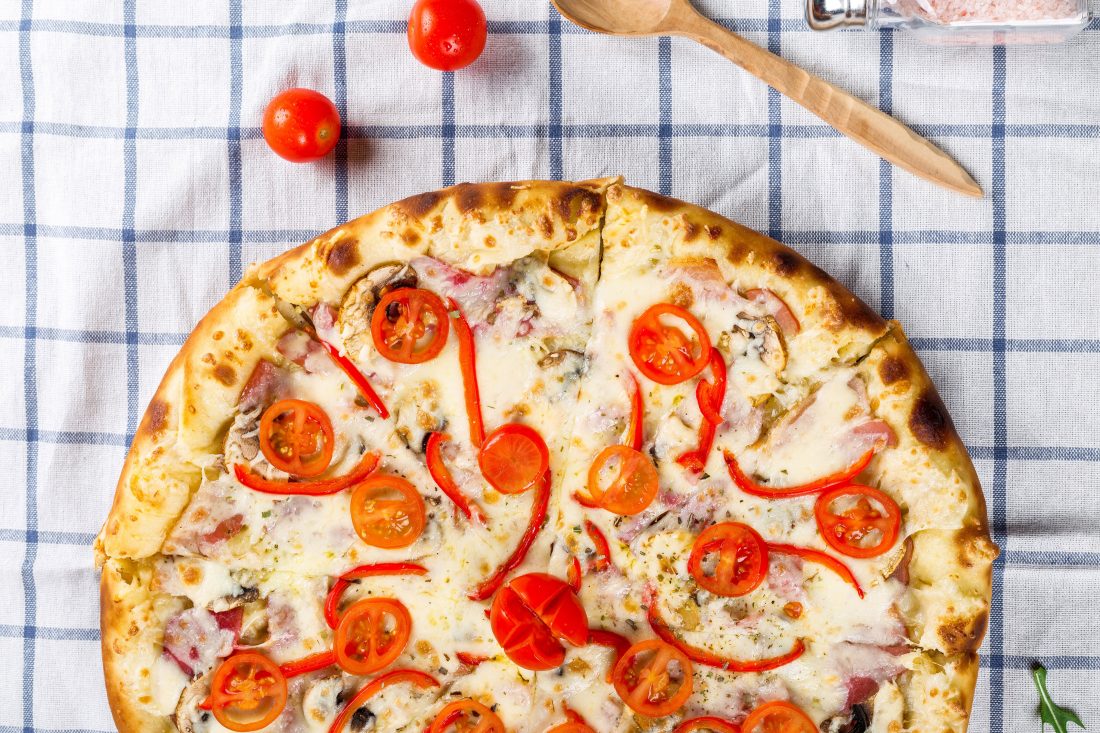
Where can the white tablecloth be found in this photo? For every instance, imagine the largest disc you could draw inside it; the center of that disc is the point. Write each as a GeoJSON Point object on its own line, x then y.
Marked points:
{"type": "Point", "coordinates": [136, 185]}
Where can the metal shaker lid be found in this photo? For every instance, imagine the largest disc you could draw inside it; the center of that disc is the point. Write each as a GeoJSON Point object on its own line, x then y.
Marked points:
{"type": "Point", "coordinates": [826, 14]}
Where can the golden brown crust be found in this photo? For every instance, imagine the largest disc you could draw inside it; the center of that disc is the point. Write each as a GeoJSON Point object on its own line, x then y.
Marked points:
{"type": "Point", "coordinates": [184, 418]}
{"type": "Point", "coordinates": [132, 619]}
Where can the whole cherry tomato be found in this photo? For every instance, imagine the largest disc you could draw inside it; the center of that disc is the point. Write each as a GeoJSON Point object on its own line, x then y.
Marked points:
{"type": "Point", "coordinates": [447, 34]}
{"type": "Point", "coordinates": [301, 125]}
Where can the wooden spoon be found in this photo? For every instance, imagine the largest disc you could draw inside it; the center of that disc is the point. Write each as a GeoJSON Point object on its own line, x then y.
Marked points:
{"type": "Point", "coordinates": [870, 127]}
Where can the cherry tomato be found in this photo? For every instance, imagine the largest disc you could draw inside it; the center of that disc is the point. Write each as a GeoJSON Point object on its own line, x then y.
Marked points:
{"type": "Point", "coordinates": [707, 722]}
{"type": "Point", "coordinates": [387, 512]}
{"type": "Point", "coordinates": [742, 560]}
{"type": "Point", "coordinates": [532, 614]}
{"type": "Point", "coordinates": [301, 125]}
{"type": "Point", "coordinates": [573, 726]}
{"type": "Point", "coordinates": [296, 437]}
{"type": "Point", "coordinates": [248, 692]}
{"type": "Point", "coordinates": [660, 349]}
{"type": "Point", "coordinates": [622, 480]}
{"type": "Point", "coordinates": [447, 34]}
{"type": "Point", "coordinates": [653, 678]}
{"type": "Point", "coordinates": [513, 458]}
{"type": "Point", "coordinates": [778, 716]}
{"type": "Point", "coordinates": [466, 716]}
{"type": "Point", "coordinates": [865, 524]}
{"type": "Point", "coordinates": [371, 635]}
{"type": "Point", "coordinates": [410, 325]}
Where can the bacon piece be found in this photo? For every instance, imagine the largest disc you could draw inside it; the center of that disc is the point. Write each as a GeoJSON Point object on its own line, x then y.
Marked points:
{"type": "Point", "coordinates": [875, 433]}
{"type": "Point", "coordinates": [266, 384]}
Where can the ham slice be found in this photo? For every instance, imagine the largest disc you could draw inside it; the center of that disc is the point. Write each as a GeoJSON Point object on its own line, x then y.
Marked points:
{"type": "Point", "coordinates": [777, 308]}
{"type": "Point", "coordinates": [196, 639]}
{"type": "Point", "coordinates": [266, 384]}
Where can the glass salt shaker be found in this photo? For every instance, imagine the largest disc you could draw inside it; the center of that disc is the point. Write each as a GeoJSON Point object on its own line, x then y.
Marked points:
{"type": "Point", "coordinates": [958, 22]}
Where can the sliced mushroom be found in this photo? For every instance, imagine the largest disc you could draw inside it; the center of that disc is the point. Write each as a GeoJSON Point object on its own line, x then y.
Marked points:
{"type": "Point", "coordinates": [188, 707]}
{"type": "Point", "coordinates": [417, 413]}
{"type": "Point", "coordinates": [761, 336]}
{"type": "Point", "coordinates": [855, 721]}
{"type": "Point", "coordinates": [564, 365]}
{"type": "Point", "coordinates": [353, 321]}
{"type": "Point", "coordinates": [322, 699]}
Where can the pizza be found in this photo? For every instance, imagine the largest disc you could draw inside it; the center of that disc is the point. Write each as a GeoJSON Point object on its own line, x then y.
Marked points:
{"type": "Point", "coordinates": [544, 456]}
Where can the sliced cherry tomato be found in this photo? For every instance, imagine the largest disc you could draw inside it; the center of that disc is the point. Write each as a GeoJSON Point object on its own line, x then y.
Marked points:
{"type": "Point", "coordinates": [653, 678]}
{"type": "Point", "coordinates": [410, 325]}
{"type": "Point", "coordinates": [709, 397]}
{"type": "Point", "coordinates": [778, 716]}
{"type": "Point", "coordinates": [532, 614]}
{"type": "Point", "coordinates": [467, 363]}
{"type": "Point", "coordinates": [446, 483]}
{"type": "Point", "coordinates": [372, 688]}
{"type": "Point", "coordinates": [661, 351]}
{"type": "Point", "coordinates": [322, 487]}
{"type": "Point", "coordinates": [447, 34]}
{"type": "Point", "coordinates": [372, 633]}
{"type": "Point", "coordinates": [387, 512]}
{"type": "Point", "coordinates": [602, 561]}
{"type": "Point", "coordinates": [710, 659]}
{"type": "Point", "coordinates": [248, 692]}
{"type": "Point", "coordinates": [305, 665]}
{"type": "Point", "coordinates": [513, 458]}
{"type": "Point", "coordinates": [573, 726]}
{"type": "Point", "coordinates": [840, 478]}
{"type": "Point", "coordinates": [822, 559]}
{"type": "Point", "coordinates": [466, 716]}
{"type": "Point", "coordinates": [866, 525]}
{"type": "Point", "coordinates": [540, 504]}
{"type": "Point", "coordinates": [622, 480]}
{"type": "Point", "coordinates": [296, 437]}
{"type": "Point", "coordinates": [635, 432]}
{"type": "Point", "coordinates": [707, 722]}
{"type": "Point", "coordinates": [332, 602]}
{"type": "Point", "coordinates": [741, 564]}
{"type": "Point", "coordinates": [301, 125]}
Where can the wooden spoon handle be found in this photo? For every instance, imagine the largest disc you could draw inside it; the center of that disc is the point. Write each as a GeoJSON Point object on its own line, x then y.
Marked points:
{"type": "Point", "coordinates": [851, 116]}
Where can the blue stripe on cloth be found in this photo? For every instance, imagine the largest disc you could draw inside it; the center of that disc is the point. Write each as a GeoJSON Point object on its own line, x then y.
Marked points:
{"type": "Point", "coordinates": [30, 364]}
{"type": "Point", "coordinates": [554, 93]}
{"type": "Point", "coordinates": [536, 130]}
{"type": "Point", "coordinates": [233, 140]}
{"type": "Point", "coordinates": [1052, 558]}
{"type": "Point", "coordinates": [340, 83]}
{"type": "Point", "coordinates": [886, 180]}
{"type": "Point", "coordinates": [1030, 346]}
{"type": "Point", "coordinates": [51, 633]}
{"type": "Point", "coordinates": [92, 336]}
{"type": "Point", "coordinates": [999, 499]}
{"type": "Point", "coordinates": [80, 539]}
{"type": "Point", "coordinates": [447, 128]}
{"type": "Point", "coordinates": [664, 128]}
{"type": "Point", "coordinates": [775, 131]}
{"type": "Point", "coordinates": [63, 437]}
{"type": "Point", "coordinates": [129, 247]}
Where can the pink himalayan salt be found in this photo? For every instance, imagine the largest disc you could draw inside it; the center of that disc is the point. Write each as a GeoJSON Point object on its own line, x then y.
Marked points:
{"type": "Point", "coordinates": [987, 11]}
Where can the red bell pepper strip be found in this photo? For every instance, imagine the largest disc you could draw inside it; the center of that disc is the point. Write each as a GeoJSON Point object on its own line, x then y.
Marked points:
{"type": "Point", "coordinates": [822, 559]}
{"type": "Point", "coordinates": [305, 665]}
{"type": "Point", "coordinates": [372, 688]}
{"type": "Point", "coordinates": [467, 362]}
{"type": "Point", "coordinates": [709, 396]}
{"type": "Point", "coordinates": [322, 487]}
{"type": "Point", "coordinates": [585, 501]}
{"type": "Point", "coordinates": [541, 503]}
{"type": "Point", "coordinates": [710, 659]}
{"type": "Point", "coordinates": [749, 486]}
{"type": "Point", "coordinates": [471, 660]}
{"type": "Point", "coordinates": [573, 574]}
{"type": "Point", "coordinates": [332, 601]}
{"type": "Point", "coordinates": [618, 642]}
{"type": "Point", "coordinates": [637, 415]}
{"type": "Point", "coordinates": [356, 376]}
{"type": "Point", "coordinates": [602, 561]}
{"type": "Point", "coordinates": [446, 483]}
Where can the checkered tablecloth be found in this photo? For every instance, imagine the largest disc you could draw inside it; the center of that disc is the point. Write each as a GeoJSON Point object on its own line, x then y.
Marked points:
{"type": "Point", "coordinates": [135, 186]}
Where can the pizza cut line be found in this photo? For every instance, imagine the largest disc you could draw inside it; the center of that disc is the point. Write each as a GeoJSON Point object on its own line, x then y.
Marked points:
{"type": "Point", "coordinates": [544, 456]}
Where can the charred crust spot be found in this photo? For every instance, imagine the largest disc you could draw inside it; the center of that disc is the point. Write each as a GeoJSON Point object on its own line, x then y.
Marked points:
{"type": "Point", "coordinates": [929, 421]}
{"type": "Point", "coordinates": [208, 358]}
{"type": "Point", "coordinates": [156, 419]}
{"type": "Point", "coordinates": [681, 295]}
{"type": "Point", "coordinates": [418, 206]}
{"type": "Point", "coordinates": [713, 231]}
{"type": "Point", "coordinates": [244, 340]}
{"type": "Point", "coordinates": [469, 197]}
{"type": "Point", "coordinates": [410, 237]}
{"type": "Point", "coordinates": [218, 335]}
{"type": "Point", "coordinates": [963, 635]}
{"type": "Point", "coordinates": [490, 241]}
{"type": "Point", "coordinates": [225, 374]}
{"type": "Point", "coordinates": [974, 546]}
{"type": "Point", "coordinates": [892, 369]}
{"type": "Point", "coordinates": [691, 230]}
{"type": "Point", "coordinates": [848, 310]}
{"type": "Point", "coordinates": [546, 226]}
{"type": "Point", "coordinates": [504, 194]}
{"type": "Point", "coordinates": [343, 256]}
{"type": "Point", "coordinates": [574, 203]}
{"type": "Point", "coordinates": [786, 263]}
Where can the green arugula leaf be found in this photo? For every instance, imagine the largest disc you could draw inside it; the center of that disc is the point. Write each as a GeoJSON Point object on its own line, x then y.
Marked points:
{"type": "Point", "coordinates": [1050, 712]}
